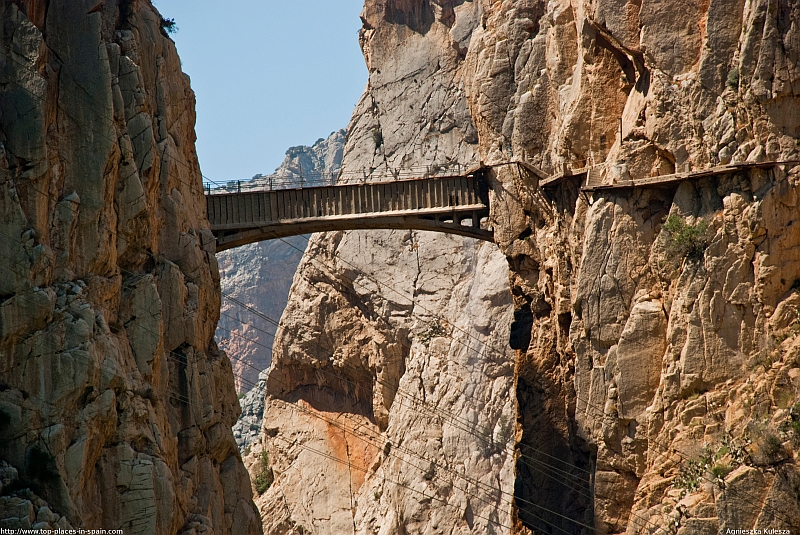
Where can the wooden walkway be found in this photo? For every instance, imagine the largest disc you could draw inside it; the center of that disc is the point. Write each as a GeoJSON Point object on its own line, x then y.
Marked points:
{"type": "Point", "coordinates": [453, 205]}
{"type": "Point", "coordinates": [680, 177]}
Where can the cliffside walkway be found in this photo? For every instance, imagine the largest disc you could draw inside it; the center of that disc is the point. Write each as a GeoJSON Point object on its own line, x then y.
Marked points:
{"type": "Point", "coordinates": [592, 183]}
{"type": "Point", "coordinates": [450, 204]}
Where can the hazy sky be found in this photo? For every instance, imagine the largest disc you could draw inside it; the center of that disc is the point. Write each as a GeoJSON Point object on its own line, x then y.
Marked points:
{"type": "Point", "coordinates": [268, 75]}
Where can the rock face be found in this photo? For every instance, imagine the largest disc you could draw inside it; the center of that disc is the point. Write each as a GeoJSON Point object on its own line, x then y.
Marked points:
{"type": "Point", "coordinates": [259, 275]}
{"type": "Point", "coordinates": [115, 403]}
{"type": "Point", "coordinates": [656, 375]}
{"type": "Point", "coordinates": [255, 281]}
{"type": "Point", "coordinates": [661, 357]}
{"type": "Point", "coordinates": [389, 403]}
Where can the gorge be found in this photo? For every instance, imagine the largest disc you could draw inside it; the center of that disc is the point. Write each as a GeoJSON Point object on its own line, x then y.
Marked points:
{"type": "Point", "coordinates": [621, 360]}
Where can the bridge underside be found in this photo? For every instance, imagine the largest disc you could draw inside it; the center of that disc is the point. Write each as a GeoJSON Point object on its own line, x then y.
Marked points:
{"type": "Point", "coordinates": [461, 222]}
{"type": "Point", "coordinates": [453, 205]}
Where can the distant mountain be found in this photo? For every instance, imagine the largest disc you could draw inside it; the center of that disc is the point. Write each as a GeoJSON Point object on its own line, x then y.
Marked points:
{"type": "Point", "coordinates": [259, 276]}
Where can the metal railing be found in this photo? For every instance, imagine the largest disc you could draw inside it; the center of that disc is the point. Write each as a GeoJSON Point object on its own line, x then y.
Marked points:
{"type": "Point", "coordinates": [310, 180]}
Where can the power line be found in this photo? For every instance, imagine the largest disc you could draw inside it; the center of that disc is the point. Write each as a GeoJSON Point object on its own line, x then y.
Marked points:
{"type": "Point", "coordinates": [114, 233]}
{"type": "Point", "coordinates": [178, 161]}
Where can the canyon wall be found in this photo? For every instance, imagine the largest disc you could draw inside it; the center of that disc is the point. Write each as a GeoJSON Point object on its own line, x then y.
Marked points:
{"type": "Point", "coordinates": [389, 403]}
{"type": "Point", "coordinates": [255, 281]}
{"type": "Point", "coordinates": [655, 376]}
{"type": "Point", "coordinates": [115, 404]}
{"type": "Point", "coordinates": [664, 355]}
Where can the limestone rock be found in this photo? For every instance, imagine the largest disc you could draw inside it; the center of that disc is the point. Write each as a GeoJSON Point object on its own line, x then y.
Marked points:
{"type": "Point", "coordinates": [110, 295]}
{"type": "Point", "coordinates": [635, 352]}
{"type": "Point", "coordinates": [664, 378]}
{"type": "Point", "coordinates": [389, 403]}
{"type": "Point", "coordinates": [259, 275]}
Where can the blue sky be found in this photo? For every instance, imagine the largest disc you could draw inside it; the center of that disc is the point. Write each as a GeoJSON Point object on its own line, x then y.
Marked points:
{"type": "Point", "coordinates": [268, 75]}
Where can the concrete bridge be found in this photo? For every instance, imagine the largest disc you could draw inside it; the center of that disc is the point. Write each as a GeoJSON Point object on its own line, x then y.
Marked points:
{"type": "Point", "coordinates": [449, 204]}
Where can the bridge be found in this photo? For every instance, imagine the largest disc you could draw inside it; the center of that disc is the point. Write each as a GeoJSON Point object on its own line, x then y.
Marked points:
{"type": "Point", "coordinates": [449, 204]}
{"type": "Point", "coordinates": [453, 204]}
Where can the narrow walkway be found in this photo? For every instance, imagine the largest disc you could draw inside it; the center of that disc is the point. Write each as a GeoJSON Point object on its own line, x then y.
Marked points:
{"type": "Point", "coordinates": [453, 205]}
{"type": "Point", "coordinates": [590, 187]}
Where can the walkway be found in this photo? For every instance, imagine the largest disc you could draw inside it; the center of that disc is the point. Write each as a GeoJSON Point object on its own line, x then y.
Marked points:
{"type": "Point", "coordinates": [592, 186]}
{"type": "Point", "coordinates": [451, 204]}
{"type": "Point", "coordinates": [454, 204]}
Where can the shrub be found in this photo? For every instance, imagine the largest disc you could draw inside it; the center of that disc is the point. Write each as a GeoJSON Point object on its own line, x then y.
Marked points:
{"type": "Point", "coordinates": [685, 240]}
{"type": "Point", "coordinates": [733, 79]}
{"type": "Point", "coordinates": [264, 475]}
{"type": "Point", "coordinates": [795, 427]}
{"type": "Point", "coordinates": [721, 470]}
{"type": "Point", "coordinates": [689, 476]}
{"type": "Point", "coordinates": [5, 418]}
{"type": "Point", "coordinates": [42, 465]}
{"type": "Point", "coordinates": [168, 25]}
{"type": "Point", "coordinates": [772, 445]}
{"type": "Point", "coordinates": [434, 329]}
{"type": "Point", "coordinates": [377, 137]}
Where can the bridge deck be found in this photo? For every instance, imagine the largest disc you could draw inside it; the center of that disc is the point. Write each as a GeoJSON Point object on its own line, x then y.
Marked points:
{"type": "Point", "coordinates": [439, 204]}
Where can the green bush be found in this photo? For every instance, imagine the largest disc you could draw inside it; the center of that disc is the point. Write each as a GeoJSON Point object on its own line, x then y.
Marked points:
{"type": "Point", "coordinates": [690, 475]}
{"type": "Point", "coordinates": [772, 445]}
{"type": "Point", "coordinates": [733, 79]}
{"type": "Point", "coordinates": [264, 475]}
{"type": "Point", "coordinates": [434, 329]}
{"type": "Point", "coordinates": [721, 470]}
{"type": "Point", "coordinates": [685, 240]}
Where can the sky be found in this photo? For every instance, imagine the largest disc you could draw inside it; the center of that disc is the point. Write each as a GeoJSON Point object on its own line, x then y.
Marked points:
{"type": "Point", "coordinates": [267, 75]}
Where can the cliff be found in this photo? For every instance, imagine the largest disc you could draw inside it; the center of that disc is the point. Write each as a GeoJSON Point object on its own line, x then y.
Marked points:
{"type": "Point", "coordinates": [655, 366]}
{"type": "Point", "coordinates": [662, 349]}
{"type": "Point", "coordinates": [115, 403]}
{"type": "Point", "coordinates": [389, 403]}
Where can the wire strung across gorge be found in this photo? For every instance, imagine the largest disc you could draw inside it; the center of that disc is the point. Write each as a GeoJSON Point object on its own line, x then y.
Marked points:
{"type": "Point", "coordinates": [556, 474]}
{"type": "Point", "coordinates": [192, 169]}
{"type": "Point", "coordinates": [174, 355]}
{"type": "Point", "coordinates": [458, 421]}
{"type": "Point", "coordinates": [482, 343]}
{"type": "Point", "coordinates": [663, 448]}
{"type": "Point", "coordinates": [351, 431]}
{"type": "Point", "coordinates": [465, 425]}
{"type": "Point", "coordinates": [179, 358]}
{"type": "Point", "coordinates": [178, 161]}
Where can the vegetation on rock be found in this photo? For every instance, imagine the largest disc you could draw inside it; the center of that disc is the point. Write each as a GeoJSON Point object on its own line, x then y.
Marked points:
{"type": "Point", "coordinates": [264, 475]}
{"type": "Point", "coordinates": [685, 240]}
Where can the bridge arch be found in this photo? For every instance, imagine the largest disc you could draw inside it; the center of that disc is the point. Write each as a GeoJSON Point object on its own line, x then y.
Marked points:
{"type": "Point", "coordinates": [453, 205]}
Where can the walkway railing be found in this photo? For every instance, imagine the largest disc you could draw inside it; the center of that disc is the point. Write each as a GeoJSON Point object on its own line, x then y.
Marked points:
{"type": "Point", "coordinates": [309, 180]}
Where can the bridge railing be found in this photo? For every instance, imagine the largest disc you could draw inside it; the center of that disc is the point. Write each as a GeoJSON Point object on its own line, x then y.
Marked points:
{"type": "Point", "coordinates": [310, 180]}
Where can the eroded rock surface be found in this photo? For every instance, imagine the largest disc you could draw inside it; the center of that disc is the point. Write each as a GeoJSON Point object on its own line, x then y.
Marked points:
{"type": "Point", "coordinates": [653, 362]}
{"type": "Point", "coordinates": [115, 403]}
{"type": "Point", "coordinates": [656, 373]}
{"type": "Point", "coordinates": [256, 278]}
{"type": "Point", "coordinates": [389, 403]}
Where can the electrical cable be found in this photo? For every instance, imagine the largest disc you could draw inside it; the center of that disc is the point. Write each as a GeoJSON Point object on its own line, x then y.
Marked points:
{"type": "Point", "coordinates": [182, 163]}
